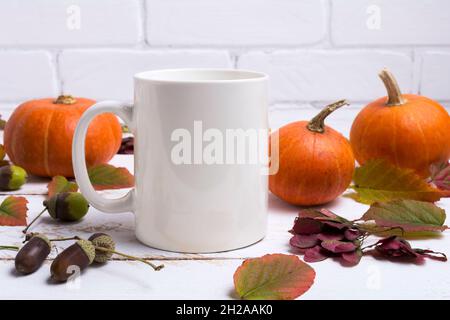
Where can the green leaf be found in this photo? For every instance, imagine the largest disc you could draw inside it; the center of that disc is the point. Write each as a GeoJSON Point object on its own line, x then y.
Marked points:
{"type": "Point", "coordinates": [407, 215]}
{"type": "Point", "coordinates": [379, 181]}
{"type": "Point", "coordinates": [125, 129]}
{"type": "Point", "coordinates": [2, 123]}
{"type": "Point", "coordinates": [106, 176]}
{"type": "Point", "coordinates": [13, 211]}
{"type": "Point", "coordinates": [61, 184]}
{"type": "Point", "coordinates": [2, 152]}
{"type": "Point", "coordinates": [273, 277]}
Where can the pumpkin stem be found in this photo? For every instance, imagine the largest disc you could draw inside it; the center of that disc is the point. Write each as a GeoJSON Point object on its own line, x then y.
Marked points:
{"type": "Point", "coordinates": [65, 100]}
{"type": "Point", "coordinates": [395, 97]}
{"type": "Point", "coordinates": [317, 124]}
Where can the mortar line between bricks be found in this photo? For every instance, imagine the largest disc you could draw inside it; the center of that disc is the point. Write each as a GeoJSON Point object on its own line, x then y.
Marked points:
{"type": "Point", "coordinates": [59, 79]}
{"type": "Point", "coordinates": [269, 49]}
{"type": "Point", "coordinates": [144, 22]}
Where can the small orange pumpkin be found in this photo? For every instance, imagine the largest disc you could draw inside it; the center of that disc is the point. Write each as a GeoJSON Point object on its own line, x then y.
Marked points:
{"type": "Point", "coordinates": [38, 136]}
{"type": "Point", "coordinates": [410, 131]}
{"type": "Point", "coordinates": [316, 162]}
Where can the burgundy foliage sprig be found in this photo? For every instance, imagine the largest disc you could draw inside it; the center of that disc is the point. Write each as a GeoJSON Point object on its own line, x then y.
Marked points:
{"type": "Point", "coordinates": [321, 234]}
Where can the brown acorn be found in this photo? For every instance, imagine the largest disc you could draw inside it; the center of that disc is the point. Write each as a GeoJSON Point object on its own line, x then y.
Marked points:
{"type": "Point", "coordinates": [81, 254]}
{"type": "Point", "coordinates": [31, 256]}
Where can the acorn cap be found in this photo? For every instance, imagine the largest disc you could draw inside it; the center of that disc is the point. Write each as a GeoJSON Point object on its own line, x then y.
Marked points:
{"type": "Point", "coordinates": [88, 249]}
{"type": "Point", "coordinates": [43, 237]}
{"type": "Point", "coordinates": [54, 204]}
{"type": "Point", "coordinates": [105, 241]}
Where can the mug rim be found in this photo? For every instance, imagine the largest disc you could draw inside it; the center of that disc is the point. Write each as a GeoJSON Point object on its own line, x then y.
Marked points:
{"type": "Point", "coordinates": [234, 75]}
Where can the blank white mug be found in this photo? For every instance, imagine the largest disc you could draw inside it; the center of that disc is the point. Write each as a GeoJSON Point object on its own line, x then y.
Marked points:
{"type": "Point", "coordinates": [189, 197]}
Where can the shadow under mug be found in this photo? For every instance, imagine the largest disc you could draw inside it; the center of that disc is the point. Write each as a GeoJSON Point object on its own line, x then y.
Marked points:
{"type": "Point", "coordinates": [193, 192]}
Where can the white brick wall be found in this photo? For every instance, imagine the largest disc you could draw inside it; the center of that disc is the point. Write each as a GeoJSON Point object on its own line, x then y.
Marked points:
{"type": "Point", "coordinates": [235, 22]}
{"type": "Point", "coordinates": [25, 74]}
{"type": "Point", "coordinates": [108, 74]}
{"type": "Point", "coordinates": [436, 75]}
{"type": "Point", "coordinates": [402, 22]}
{"type": "Point", "coordinates": [314, 50]}
{"type": "Point", "coordinates": [328, 75]}
{"type": "Point", "coordinates": [69, 22]}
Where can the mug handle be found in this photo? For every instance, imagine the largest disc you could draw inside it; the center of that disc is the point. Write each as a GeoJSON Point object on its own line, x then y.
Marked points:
{"type": "Point", "coordinates": [124, 111]}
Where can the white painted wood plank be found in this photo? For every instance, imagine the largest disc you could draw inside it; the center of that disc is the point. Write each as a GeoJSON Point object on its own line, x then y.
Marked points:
{"type": "Point", "coordinates": [371, 279]}
{"type": "Point", "coordinates": [121, 228]}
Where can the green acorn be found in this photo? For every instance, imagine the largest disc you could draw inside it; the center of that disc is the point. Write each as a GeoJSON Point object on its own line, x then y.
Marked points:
{"type": "Point", "coordinates": [12, 177]}
{"type": "Point", "coordinates": [65, 206]}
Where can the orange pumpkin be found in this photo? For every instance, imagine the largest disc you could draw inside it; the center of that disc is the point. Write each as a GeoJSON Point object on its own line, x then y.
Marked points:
{"type": "Point", "coordinates": [316, 163]}
{"type": "Point", "coordinates": [38, 136]}
{"type": "Point", "coordinates": [410, 131]}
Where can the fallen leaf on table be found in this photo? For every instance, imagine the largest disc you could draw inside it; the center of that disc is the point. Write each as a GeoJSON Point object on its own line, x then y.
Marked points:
{"type": "Point", "coordinates": [379, 181]}
{"type": "Point", "coordinates": [322, 234]}
{"type": "Point", "coordinates": [61, 184]}
{"type": "Point", "coordinates": [273, 277]}
{"type": "Point", "coordinates": [408, 215]}
{"type": "Point", "coordinates": [2, 123]}
{"type": "Point", "coordinates": [13, 211]}
{"type": "Point", "coordinates": [106, 176]}
{"type": "Point", "coordinates": [2, 152]}
{"type": "Point", "coordinates": [398, 248]}
{"type": "Point", "coordinates": [440, 175]}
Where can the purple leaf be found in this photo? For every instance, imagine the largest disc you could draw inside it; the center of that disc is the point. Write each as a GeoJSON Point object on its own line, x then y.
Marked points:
{"type": "Point", "coordinates": [315, 254]}
{"type": "Point", "coordinates": [306, 226]}
{"type": "Point", "coordinates": [328, 214]}
{"type": "Point", "coordinates": [327, 236]}
{"type": "Point", "coordinates": [338, 246]}
{"type": "Point", "coordinates": [304, 241]}
{"type": "Point", "coordinates": [352, 258]}
{"type": "Point", "coordinates": [432, 254]}
{"type": "Point", "coordinates": [396, 247]}
{"type": "Point", "coordinates": [352, 234]}
{"type": "Point", "coordinates": [337, 225]}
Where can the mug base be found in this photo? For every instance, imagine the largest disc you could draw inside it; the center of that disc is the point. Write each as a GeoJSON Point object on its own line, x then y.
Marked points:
{"type": "Point", "coordinates": [233, 248]}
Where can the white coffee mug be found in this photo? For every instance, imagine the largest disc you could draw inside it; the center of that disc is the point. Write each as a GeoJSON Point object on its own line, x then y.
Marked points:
{"type": "Point", "coordinates": [190, 196]}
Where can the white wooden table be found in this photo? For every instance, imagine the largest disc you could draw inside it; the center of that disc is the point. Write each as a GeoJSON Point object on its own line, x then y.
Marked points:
{"type": "Point", "coordinates": [211, 276]}
{"type": "Point", "coordinates": [192, 276]}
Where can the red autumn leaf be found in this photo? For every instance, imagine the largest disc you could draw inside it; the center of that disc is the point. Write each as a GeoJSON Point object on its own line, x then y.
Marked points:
{"type": "Point", "coordinates": [440, 175]}
{"type": "Point", "coordinates": [106, 176]}
{"type": "Point", "coordinates": [13, 211]}
{"type": "Point", "coordinates": [273, 277]}
{"type": "Point", "coordinates": [61, 184]}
